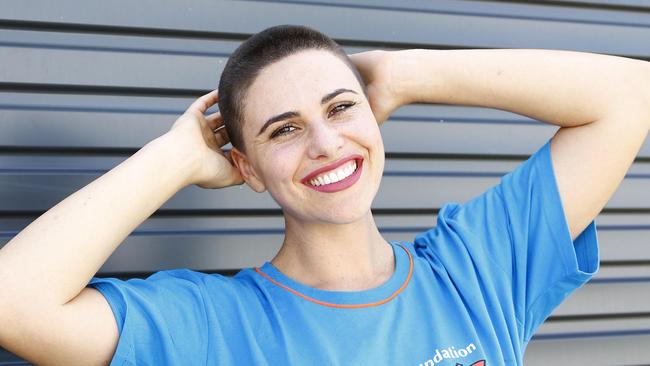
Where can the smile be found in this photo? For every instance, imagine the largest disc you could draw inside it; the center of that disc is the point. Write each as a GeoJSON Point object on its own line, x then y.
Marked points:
{"type": "Point", "coordinates": [337, 176]}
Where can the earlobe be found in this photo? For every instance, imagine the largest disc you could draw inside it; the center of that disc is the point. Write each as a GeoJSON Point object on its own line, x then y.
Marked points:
{"type": "Point", "coordinates": [247, 171]}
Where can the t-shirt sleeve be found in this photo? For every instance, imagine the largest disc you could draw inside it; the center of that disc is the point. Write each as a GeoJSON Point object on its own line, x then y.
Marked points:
{"type": "Point", "coordinates": [161, 320]}
{"type": "Point", "coordinates": [516, 239]}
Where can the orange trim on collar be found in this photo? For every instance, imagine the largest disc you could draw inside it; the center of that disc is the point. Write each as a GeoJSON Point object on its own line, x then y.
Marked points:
{"type": "Point", "coordinates": [347, 306]}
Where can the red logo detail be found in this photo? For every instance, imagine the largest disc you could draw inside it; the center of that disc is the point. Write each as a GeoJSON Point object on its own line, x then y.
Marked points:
{"type": "Point", "coordinates": [477, 363]}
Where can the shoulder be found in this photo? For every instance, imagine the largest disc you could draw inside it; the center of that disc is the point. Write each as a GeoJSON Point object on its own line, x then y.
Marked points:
{"type": "Point", "coordinates": [243, 282]}
{"type": "Point", "coordinates": [171, 285]}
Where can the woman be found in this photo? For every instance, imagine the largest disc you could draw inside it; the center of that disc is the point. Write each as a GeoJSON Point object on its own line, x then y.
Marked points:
{"type": "Point", "coordinates": [304, 126]}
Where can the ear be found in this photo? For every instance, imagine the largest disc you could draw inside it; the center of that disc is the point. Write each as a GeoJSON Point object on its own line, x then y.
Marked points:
{"type": "Point", "coordinates": [247, 171]}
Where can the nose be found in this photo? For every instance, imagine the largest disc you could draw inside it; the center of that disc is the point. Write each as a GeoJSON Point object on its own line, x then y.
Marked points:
{"type": "Point", "coordinates": [325, 140]}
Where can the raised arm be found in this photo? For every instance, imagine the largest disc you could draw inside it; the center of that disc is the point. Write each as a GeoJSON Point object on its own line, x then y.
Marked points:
{"type": "Point", "coordinates": [602, 104]}
{"type": "Point", "coordinates": [47, 315]}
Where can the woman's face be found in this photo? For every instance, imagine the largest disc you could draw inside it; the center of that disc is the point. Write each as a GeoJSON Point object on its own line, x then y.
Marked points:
{"type": "Point", "coordinates": [311, 139]}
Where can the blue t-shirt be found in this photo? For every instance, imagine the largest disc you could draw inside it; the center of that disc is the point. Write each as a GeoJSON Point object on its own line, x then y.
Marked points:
{"type": "Point", "coordinates": [470, 291]}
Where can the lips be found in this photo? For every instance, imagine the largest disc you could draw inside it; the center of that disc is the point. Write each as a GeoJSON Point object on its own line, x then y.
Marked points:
{"type": "Point", "coordinates": [330, 168]}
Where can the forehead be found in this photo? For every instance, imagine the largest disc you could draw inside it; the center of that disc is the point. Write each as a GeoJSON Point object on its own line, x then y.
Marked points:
{"type": "Point", "coordinates": [296, 82]}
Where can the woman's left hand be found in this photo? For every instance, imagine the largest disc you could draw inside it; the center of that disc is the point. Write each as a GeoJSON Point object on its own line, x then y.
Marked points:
{"type": "Point", "coordinates": [376, 68]}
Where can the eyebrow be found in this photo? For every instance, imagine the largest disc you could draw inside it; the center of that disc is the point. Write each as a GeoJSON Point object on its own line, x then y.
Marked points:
{"type": "Point", "coordinates": [292, 114]}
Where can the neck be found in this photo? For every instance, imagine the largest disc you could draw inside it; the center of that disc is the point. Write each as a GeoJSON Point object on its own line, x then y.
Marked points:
{"type": "Point", "coordinates": [348, 257]}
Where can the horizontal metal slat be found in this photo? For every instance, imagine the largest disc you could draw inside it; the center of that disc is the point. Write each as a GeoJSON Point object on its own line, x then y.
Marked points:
{"type": "Point", "coordinates": [39, 129]}
{"type": "Point", "coordinates": [591, 328]}
{"type": "Point", "coordinates": [54, 128]}
{"type": "Point", "coordinates": [607, 298]}
{"type": "Point", "coordinates": [25, 192]}
{"type": "Point", "coordinates": [408, 27]}
{"type": "Point", "coordinates": [614, 350]}
{"type": "Point", "coordinates": [603, 11]}
{"type": "Point", "coordinates": [110, 61]}
{"type": "Point", "coordinates": [83, 67]}
{"type": "Point", "coordinates": [30, 121]}
{"type": "Point", "coordinates": [117, 43]}
{"type": "Point", "coordinates": [638, 4]}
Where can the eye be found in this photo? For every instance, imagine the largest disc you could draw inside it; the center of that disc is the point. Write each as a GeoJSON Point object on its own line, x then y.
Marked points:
{"type": "Point", "coordinates": [340, 108]}
{"type": "Point", "coordinates": [285, 129]}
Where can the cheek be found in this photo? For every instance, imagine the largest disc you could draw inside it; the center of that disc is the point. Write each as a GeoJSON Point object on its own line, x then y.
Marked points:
{"type": "Point", "coordinates": [281, 165]}
{"type": "Point", "coordinates": [367, 131]}
{"type": "Point", "coordinates": [369, 135]}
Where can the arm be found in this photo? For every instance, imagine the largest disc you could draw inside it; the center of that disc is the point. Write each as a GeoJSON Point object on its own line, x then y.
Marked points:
{"type": "Point", "coordinates": [602, 104]}
{"type": "Point", "coordinates": [47, 314]}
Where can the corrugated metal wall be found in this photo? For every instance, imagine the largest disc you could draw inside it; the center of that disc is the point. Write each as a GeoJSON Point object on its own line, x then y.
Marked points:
{"type": "Point", "coordinates": [84, 84]}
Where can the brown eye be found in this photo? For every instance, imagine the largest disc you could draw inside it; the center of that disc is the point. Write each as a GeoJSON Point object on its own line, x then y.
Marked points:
{"type": "Point", "coordinates": [284, 130]}
{"type": "Point", "coordinates": [340, 108]}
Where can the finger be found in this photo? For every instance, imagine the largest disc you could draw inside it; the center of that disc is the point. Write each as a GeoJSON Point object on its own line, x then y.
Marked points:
{"type": "Point", "coordinates": [221, 135]}
{"type": "Point", "coordinates": [215, 115]}
{"type": "Point", "coordinates": [204, 102]}
{"type": "Point", "coordinates": [215, 120]}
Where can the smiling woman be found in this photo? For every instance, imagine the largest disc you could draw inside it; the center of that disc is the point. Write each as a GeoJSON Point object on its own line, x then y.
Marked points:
{"type": "Point", "coordinates": [304, 122]}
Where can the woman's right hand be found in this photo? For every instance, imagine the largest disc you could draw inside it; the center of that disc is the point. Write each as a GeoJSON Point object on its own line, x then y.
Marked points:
{"type": "Point", "coordinates": [378, 72]}
{"type": "Point", "coordinates": [194, 133]}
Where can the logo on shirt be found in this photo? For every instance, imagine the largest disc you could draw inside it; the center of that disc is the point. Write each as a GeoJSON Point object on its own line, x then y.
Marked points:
{"type": "Point", "coordinates": [452, 353]}
{"type": "Point", "coordinates": [477, 363]}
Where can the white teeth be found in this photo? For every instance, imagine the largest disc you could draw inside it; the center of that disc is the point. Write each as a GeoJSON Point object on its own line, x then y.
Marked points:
{"type": "Point", "coordinates": [335, 176]}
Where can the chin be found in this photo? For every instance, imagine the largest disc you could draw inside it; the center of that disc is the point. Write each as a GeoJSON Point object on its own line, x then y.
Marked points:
{"type": "Point", "coordinates": [338, 215]}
